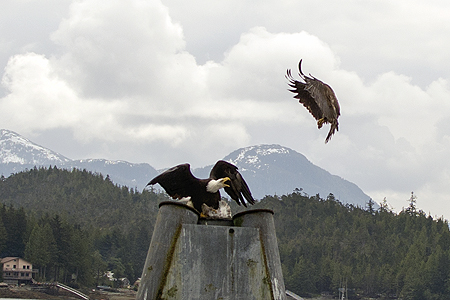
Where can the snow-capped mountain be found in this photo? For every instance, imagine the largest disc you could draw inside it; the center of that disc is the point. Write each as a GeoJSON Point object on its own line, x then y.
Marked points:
{"type": "Point", "coordinates": [18, 153]}
{"type": "Point", "coordinates": [268, 169]}
{"type": "Point", "coordinates": [14, 148]}
{"type": "Point", "coordinates": [274, 169]}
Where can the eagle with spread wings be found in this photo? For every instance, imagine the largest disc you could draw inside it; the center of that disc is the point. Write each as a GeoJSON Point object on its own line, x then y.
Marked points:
{"type": "Point", "coordinates": [318, 97]}
{"type": "Point", "coordinates": [204, 194]}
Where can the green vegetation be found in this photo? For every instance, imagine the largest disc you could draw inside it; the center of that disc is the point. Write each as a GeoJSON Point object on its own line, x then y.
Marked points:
{"type": "Point", "coordinates": [75, 225]}
{"type": "Point", "coordinates": [324, 243]}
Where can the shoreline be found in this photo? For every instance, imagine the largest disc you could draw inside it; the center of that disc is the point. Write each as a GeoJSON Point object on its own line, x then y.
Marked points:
{"type": "Point", "coordinates": [26, 292]}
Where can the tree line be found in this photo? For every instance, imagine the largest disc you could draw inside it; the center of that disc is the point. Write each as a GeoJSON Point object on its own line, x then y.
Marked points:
{"type": "Point", "coordinates": [74, 225]}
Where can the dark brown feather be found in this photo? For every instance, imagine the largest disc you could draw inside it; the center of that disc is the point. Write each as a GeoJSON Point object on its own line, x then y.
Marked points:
{"type": "Point", "coordinates": [304, 96]}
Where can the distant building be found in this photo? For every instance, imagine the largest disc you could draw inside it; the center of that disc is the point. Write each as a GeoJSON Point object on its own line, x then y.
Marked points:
{"type": "Point", "coordinates": [17, 270]}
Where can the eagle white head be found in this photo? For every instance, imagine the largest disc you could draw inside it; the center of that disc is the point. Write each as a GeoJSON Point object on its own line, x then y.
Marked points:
{"type": "Point", "coordinates": [214, 185]}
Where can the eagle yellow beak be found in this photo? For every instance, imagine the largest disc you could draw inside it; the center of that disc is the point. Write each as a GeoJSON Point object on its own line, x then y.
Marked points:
{"type": "Point", "coordinates": [225, 179]}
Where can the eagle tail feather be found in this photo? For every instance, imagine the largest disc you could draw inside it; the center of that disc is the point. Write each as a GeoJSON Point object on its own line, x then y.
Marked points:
{"type": "Point", "coordinates": [334, 127]}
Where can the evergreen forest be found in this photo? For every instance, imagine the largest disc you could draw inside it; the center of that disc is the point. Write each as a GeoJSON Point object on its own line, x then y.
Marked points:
{"type": "Point", "coordinates": [74, 226]}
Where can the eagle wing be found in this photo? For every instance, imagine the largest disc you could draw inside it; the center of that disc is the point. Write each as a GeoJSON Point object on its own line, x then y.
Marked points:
{"type": "Point", "coordinates": [238, 189]}
{"type": "Point", "coordinates": [176, 181]}
{"type": "Point", "coordinates": [307, 94]}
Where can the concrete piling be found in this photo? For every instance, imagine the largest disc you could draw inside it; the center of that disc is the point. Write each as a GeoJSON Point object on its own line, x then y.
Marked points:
{"type": "Point", "coordinates": [192, 258]}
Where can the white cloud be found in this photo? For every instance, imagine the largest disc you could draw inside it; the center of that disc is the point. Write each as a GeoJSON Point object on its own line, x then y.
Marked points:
{"type": "Point", "coordinates": [37, 98]}
{"type": "Point", "coordinates": [120, 49]}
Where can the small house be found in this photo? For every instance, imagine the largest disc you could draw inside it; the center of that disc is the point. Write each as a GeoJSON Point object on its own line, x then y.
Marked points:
{"type": "Point", "coordinates": [17, 270]}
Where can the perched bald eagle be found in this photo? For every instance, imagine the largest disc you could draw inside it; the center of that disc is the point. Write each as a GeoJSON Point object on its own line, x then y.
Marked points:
{"type": "Point", "coordinates": [318, 97]}
{"type": "Point", "coordinates": [179, 183]}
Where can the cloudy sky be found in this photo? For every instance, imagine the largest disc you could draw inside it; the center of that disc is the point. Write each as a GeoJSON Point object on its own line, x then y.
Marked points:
{"type": "Point", "coordinates": [168, 82]}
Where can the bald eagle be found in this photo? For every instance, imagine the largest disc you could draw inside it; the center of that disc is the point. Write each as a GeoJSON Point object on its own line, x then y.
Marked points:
{"type": "Point", "coordinates": [179, 183]}
{"type": "Point", "coordinates": [318, 97]}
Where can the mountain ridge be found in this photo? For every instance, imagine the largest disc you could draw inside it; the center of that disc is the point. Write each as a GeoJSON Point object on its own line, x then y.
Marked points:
{"type": "Point", "coordinates": [269, 169]}
{"type": "Point", "coordinates": [274, 169]}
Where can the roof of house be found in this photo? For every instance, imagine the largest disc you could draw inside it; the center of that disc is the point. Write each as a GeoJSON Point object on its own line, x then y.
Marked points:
{"type": "Point", "coordinates": [10, 258]}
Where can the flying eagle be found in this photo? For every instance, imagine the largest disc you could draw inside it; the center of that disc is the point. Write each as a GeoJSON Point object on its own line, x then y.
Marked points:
{"type": "Point", "coordinates": [318, 97]}
{"type": "Point", "coordinates": [179, 183]}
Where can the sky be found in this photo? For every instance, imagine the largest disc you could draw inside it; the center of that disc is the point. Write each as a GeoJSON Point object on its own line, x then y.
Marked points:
{"type": "Point", "coordinates": [169, 82]}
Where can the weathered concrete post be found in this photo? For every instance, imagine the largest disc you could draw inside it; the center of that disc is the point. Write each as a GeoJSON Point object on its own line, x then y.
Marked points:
{"type": "Point", "coordinates": [171, 216]}
{"type": "Point", "coordinates": [197, 259]}
{"type": "Point", "coordinates": [263, 220]}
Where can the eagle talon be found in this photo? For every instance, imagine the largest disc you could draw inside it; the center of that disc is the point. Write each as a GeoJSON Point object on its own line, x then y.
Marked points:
{"type": "Point", "coordinates": [320, 122]}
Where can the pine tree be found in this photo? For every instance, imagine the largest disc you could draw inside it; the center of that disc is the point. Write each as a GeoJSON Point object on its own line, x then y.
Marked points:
{"type": "Point", "coordinates": [41, 248]}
